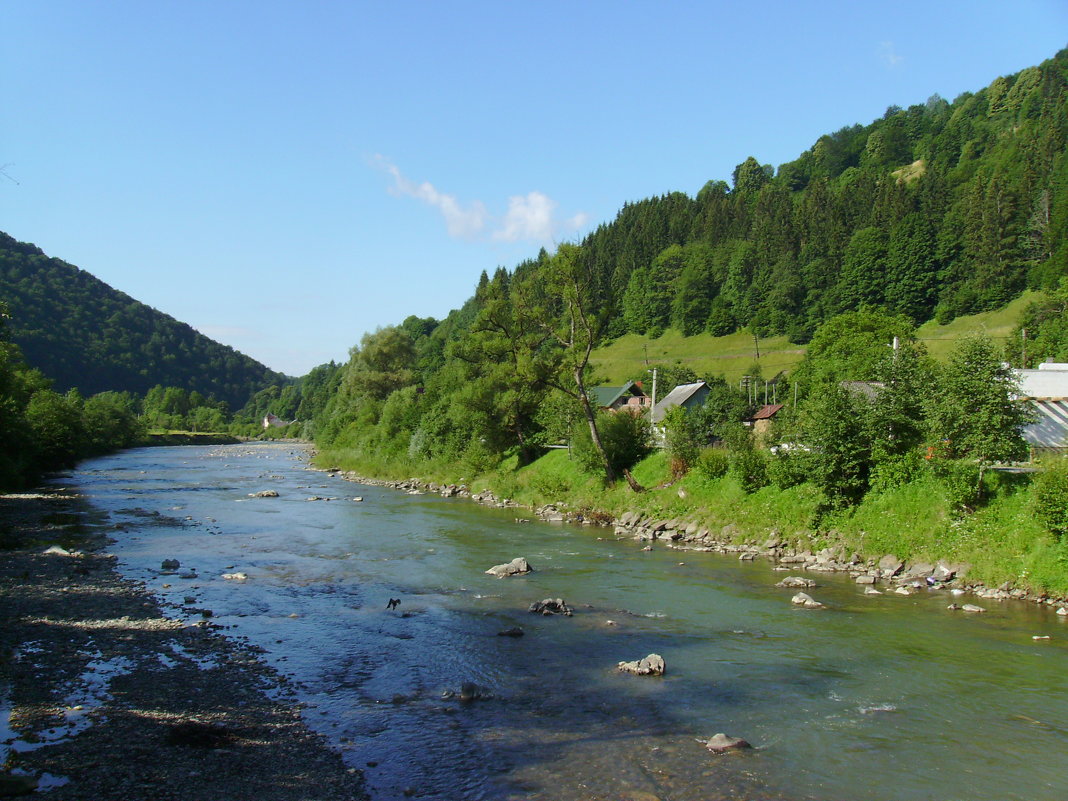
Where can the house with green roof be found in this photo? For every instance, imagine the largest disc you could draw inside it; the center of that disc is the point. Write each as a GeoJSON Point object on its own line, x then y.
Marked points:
{"type": "Point", "coordinates": [630, 396]}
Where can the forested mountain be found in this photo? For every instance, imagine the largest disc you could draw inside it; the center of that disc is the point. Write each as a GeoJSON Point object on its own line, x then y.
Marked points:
{"type": "Point", "coordinates": [934, 211]}
{"type": "Point", "coordinates": [82, 333]}
{"type": "Point", "coordinates": [940, 209]}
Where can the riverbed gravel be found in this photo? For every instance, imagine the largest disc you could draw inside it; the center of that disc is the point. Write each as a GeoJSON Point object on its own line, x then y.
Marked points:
{"type": "Point", "coordinates": [105, 695]}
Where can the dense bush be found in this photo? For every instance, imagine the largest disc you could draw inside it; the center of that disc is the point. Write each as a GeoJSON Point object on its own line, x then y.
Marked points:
{"type": "Point", "coordinates": [1051, 496]}
{"type": "Point", "coordinates": [961, 479]}
{"type": "Point", "coordinates": [625, 438]}
{"type": "Point", "coordinates": [750, 467]}
{"type": "Point", "coordinates": [712, 463]}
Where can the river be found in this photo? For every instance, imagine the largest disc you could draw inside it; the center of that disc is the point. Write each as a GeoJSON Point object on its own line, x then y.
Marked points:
{"type": "Point", "coordinates": [874, 697]}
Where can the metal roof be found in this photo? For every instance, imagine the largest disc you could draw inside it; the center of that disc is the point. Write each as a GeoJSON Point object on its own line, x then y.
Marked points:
{"type": "Point", "coordinates": [766, 412]}
{"type": "Point", "coordinates": [606, 396]}
{"type": "Point", "coordinates": [1051, 428]}
{"type": "Point", "coordinates": [677, 397]}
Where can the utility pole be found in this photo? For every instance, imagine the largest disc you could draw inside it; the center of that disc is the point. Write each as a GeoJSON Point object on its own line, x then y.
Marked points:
{"type": "Point", "coordinates": [756, 346]}
{"type": "Point", "coordinates": [653, 371]}
{"type": "Point", "coordinates": [1023, 348]}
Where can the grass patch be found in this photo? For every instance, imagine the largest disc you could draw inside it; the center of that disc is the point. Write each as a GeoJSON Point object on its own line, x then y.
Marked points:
{"type": "Point", "coordinates": [733, 355]}
{"type": "Point", "coordinates": [730, 356]}
{"type": "Point", "coordinates": [941, 339]}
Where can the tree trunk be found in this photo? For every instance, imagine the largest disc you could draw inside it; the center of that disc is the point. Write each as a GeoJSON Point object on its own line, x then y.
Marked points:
{"type": "Point", "coordinates": [609, 473]}
{"type": "Point", "coordinates": [634, 485]}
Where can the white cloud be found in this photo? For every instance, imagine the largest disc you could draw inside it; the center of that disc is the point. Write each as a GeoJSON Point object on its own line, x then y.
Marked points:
{"type": "Point", "coordinates": [462, 223]}
{"type": "Point", "coordinates": [888, 54]}
{"type": "Point", "coordinates": [530, 217]}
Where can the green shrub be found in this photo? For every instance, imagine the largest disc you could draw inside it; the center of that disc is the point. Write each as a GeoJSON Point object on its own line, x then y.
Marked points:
{"type": "Point", "coordinates": [625, 438]}
{"type": "Point", "coordinates": [894, 471]}
{"type": "Point", "coordinates": [788, 468]}
{"type": "Point", "coordinates": [750, 467]}
{"type": "Point", "coordinates": [1050, 496]}
{"type": "Point", "coordinates": [960, 477]}
{"type": "Point", "coordinates": [478, 459]}
{"type": "Point", "coordinates": [712, 463]}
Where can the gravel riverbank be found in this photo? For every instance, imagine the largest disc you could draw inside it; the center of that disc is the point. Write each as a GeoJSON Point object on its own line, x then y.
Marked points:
{"type": "Point", "coordinates": [103, 696]}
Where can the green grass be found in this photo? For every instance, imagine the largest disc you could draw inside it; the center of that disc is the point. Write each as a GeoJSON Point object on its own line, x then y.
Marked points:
{"type": "Point", "coordinates": [998, 325]}
{"type": "Point", "coordinates": [730, 356]}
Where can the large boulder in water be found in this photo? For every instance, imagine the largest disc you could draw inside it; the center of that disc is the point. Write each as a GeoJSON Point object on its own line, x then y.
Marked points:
{"type": "Point", "coordinates": [516, 567]}
{"type": "Point", "coordinates": [652, 665]}
{"type": "Point", "coordinates": [806, 600]}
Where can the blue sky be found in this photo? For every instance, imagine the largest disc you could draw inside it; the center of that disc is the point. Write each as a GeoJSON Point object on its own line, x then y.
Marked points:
{"type": "Point", "coordinates": [287, 176]}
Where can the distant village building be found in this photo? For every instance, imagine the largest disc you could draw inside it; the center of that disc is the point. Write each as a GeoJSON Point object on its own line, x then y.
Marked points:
{"type": "Point", "coordinates": [688, 396]}
{"type": "Point", "coordinates": [762, 419]}
{"type": "Point", "coordinates": [630, 396]}
{"type": "Point", "coordinates": [271, 421]}
{"type": "Point", "coordinates": [1047, 390]}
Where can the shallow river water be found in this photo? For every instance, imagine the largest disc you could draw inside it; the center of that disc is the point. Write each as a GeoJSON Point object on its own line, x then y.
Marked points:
{"type": "Point", "coordinates": [874, 697]}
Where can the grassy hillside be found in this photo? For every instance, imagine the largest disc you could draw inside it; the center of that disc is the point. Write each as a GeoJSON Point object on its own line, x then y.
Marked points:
{"type": "Point", "coordinates": [731, 356]}
{"type": "Point", "coordinates": [734, 355]}
{"type": "Point", "coordinates": [997, 324]}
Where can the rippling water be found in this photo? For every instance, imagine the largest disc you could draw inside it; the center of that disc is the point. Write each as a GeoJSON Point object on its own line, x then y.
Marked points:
{"type": "Point", "coordinates": [886, 697]}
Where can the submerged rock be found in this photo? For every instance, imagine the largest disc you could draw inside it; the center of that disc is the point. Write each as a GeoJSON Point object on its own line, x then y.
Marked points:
{"type": "Point", "coordinates": [170, 564]}
{"type": "Point", "coordinates": [516, 567]}
{"type": "Point", "coordinates": [721, 743]}
{"type": "Point", "coordinates": [14, 784]}
{"type": "Point", "coordinates": [796, 581]}
{"type": "Point", "coordinates": [551, 606]}
{"type": "Point", "coordinates": [652, 665]}
{"type": "Point", "coordinates": [469, 691]}
{"type": "Point", "coordinates": [264, 494]}
{"type": "Point", "coordinates": [515, 631]}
